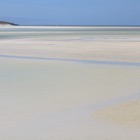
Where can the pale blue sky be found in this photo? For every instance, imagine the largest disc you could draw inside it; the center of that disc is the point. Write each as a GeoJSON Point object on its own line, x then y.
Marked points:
{"type": "Point", "coordinates": [71, 12]}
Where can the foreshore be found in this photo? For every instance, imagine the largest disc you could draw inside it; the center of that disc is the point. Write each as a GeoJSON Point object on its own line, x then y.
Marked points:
{"type": "Point", "coordinates": [99, 48]}
{"type": "Point", "coordinates": [47, 93]}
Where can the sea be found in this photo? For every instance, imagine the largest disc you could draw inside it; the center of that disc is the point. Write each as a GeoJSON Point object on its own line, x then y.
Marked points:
{"type": "Point", "coordinates": [84, 32]}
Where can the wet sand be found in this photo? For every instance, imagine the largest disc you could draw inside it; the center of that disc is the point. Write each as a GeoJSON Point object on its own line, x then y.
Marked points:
{"type": "Point", "coordinates": [124, 114]}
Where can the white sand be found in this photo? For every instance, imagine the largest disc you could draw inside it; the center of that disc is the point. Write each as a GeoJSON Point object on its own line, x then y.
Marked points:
{"type": "Point", "coordinates": [51, 48]}
{"type": "Point", "coordinates": [122, 48]}
{"type": "Point", "coordinates": [65, 100]}
{"type": "Point", "coordinates": [55, 100]}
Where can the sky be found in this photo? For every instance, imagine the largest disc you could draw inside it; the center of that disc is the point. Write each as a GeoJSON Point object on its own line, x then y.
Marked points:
{"type": "Point", "coordinates": [71, 12]}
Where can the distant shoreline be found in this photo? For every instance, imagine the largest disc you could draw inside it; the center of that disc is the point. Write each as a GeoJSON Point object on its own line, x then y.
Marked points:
{"type": "Point", "coordinates": [65, 26]}
{"type": "Point", "coordinates": [15, 24]}
{"type": "Point", "coordinates": [5, 23]}
{"type": "Point", "coordinates": [87, 25]}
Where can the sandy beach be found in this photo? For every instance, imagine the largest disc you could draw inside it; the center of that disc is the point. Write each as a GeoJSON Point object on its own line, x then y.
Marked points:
{"type": "Point", "coordinates": [120, 48]}
{"type": "Point", "coordinates": [48, 90]}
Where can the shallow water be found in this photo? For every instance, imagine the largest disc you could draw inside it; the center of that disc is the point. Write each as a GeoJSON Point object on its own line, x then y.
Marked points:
{"type": "Point", "coordinates": [85, 32]}
{"type": "Point", "coordinates": [73, 60]}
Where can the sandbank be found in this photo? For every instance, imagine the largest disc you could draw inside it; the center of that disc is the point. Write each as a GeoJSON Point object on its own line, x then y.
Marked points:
{"type": "Point", "coordinates": [100, 48]}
